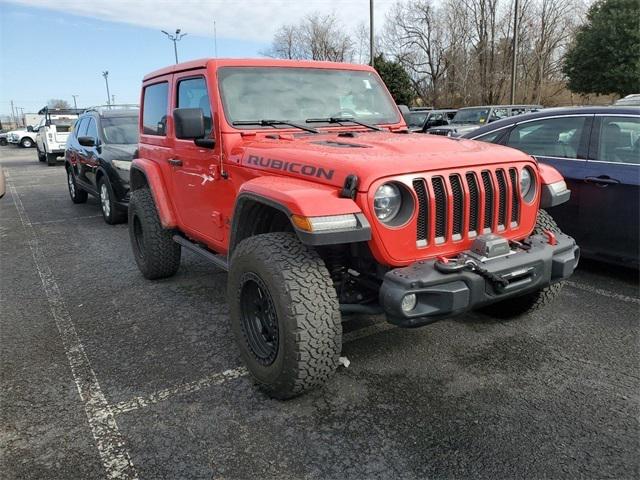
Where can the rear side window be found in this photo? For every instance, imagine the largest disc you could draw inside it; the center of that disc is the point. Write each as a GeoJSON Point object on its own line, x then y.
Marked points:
{"type": "Point", "coordinates": [192, 93]}
{"type": "Point", "coordinates": [620, 140]}
{"type": "Point", "coordinates": [92, 130]}
{"type": "Point", "coordinates": [154, 116]}
{"type": "Point", "coordinates": [551, 137]}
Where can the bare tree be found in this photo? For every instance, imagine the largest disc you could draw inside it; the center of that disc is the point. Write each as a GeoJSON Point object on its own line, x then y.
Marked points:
{"type": "Point", "coordinates": [58, 103]}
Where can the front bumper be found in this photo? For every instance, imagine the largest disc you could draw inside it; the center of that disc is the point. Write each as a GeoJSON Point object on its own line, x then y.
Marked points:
{"type": "Point", "coordinates": [440, 295]}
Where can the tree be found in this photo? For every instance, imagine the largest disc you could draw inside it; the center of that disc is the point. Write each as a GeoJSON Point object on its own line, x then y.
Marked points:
{"type": "Point", "coordinates": [396, 78]}
{"type": "Point", "coordinates": [58, 103]}
{"type": "Point", "coordinates": [605, 56]}
{"type": "Point", "coordinates": [317, 37]}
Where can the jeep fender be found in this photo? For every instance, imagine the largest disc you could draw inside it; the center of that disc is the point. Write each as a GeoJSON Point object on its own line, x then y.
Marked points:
{"type": "Point", "coordinates": [554, 189]}
{"type": "Point", "coordinates": [147, 173]}
{"type": "Point", "coordinates": [293, 196]}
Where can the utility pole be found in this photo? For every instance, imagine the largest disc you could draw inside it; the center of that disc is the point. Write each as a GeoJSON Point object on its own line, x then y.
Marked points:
{"type": "Point", "coordinates": [371, 33]}
{"type": "Point", "coordinates": [215, 39]}
{"type": "Point", "coordinates": [13, 115]}
{"type": "Point", "coordinates": [105, 74]}
{"type": "Point", "coordinates": [175, 38]}
{"type": "Point", "coordinates": [514, 58]}
{"type": "Point", "coordinates": [24, 124]}
{"type": "Point", "coordinates": [75, 105]}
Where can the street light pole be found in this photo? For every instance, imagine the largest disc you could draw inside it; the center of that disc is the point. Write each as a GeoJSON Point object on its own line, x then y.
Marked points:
{"type": "Point", "coordinates": [75, 105]}
{"type": "Point", "coordinates": [175, 39]}
{"type": "Point", "coordinates": [514, 58]}
{"type": "Point", "coordinates": [105, 74]}
{"type": "Point", "coordinates": [371, 34]}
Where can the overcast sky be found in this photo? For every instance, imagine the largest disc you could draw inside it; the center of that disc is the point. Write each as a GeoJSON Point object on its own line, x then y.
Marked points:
{"type": "Point", "coordinates": [58, 48]}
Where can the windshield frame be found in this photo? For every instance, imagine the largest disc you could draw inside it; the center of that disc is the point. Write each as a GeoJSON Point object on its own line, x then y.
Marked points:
{"type": "Point", "coordinates": [249, 128]}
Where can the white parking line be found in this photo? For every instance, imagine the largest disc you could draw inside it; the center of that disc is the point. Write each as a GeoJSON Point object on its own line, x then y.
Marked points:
{"type": "Point", "coordinates": [109, 441]}
{"type": "Point", "coordinates": [601, 291]}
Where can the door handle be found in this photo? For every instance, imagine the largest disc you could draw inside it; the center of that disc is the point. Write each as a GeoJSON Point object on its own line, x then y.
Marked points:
{"type": "Point", "coordinates": [174, 162]}
{"type": "Point", "coordinates": [602, 180]}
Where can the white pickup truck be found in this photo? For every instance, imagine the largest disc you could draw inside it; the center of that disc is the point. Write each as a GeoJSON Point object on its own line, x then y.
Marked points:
{"type": "Point", "coordinates": [53, 132]}
{"type": "Point", "coordinates": [23, 137]}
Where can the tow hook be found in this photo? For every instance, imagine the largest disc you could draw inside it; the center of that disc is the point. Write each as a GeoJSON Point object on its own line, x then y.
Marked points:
{"type": "Point", "coordinates": [551, 237]}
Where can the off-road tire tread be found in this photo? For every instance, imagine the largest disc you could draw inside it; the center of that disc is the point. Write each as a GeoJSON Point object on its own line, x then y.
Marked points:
{"type": "Point", "coordinates": [311, 303]}
{"type": "Point", "coordinates": [162, 254]}
{"type": "Point", "coordinates": [536, 300]}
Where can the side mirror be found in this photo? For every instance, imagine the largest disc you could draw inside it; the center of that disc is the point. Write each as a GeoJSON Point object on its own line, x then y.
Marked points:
{"type": "Point", "coordinates": [87, 141]}
{"type": "Point", "coordinates": [29, 128]}
{"type": "Point", "coordinates": [189, 125]}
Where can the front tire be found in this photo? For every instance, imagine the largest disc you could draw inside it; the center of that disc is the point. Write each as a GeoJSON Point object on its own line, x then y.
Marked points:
{"type": "Point", "coordinates": [530, 302]}
{"type": "Point", "coordinates": [111, 212]}
{"type": "Point", "coordinates": [284, 314]}
{"type": "Point", "coordinates": [26, 142]}
{"type": "Point", "coordinates": [154, 250]}
{"type": "Point", "coordinates": [76, 193]}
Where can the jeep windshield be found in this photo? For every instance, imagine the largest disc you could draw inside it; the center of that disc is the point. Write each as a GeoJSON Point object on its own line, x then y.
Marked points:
{"type": "Point", "coordinates": [120, 129]}
{"type": "Point", "coordinates": [476, 116]}
{"type": "Point", "coordinates": [297, 94]}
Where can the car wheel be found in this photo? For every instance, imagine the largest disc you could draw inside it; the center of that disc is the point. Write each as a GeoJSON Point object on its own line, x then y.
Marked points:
{"type": "Point", "coordinates": [76, 193]}
{"type": "Point", "coordinates": [52, 159]}
{"type": "Point", "coordinates": [41, 156]}
{"type": "Point", "coordinates": [284, 314]}
{"type": "Point", "coordinates": [530, 302]}
{"type": "Point", "coordinates": [111, 212]}
{"type": "Point", "coordinates": [154, 250]}
{"type": "Point", "coordinates": [26, 142]}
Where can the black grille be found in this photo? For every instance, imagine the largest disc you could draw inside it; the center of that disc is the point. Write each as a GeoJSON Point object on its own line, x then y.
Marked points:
{"type": "Point", "coordinates": [515, 198]}
{"type": "Point", "coordinates": [502, 198]}
{"type": "Point", "coordinates": [421, 193]}
{"type": "Point", "coordinates": [473, 202]}
{"type": "Point", "coordinates": [458, 204]}
{"type": "Point", "coordinates": [440, 197]}
{"type": "Point", "coordinates": [488, 199]}
{"type": "Point", "coordinates": [439, 132]}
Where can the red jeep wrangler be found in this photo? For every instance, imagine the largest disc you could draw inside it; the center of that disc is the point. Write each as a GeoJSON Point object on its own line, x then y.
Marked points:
{"type": "Point", "coordinates": [301, 180]}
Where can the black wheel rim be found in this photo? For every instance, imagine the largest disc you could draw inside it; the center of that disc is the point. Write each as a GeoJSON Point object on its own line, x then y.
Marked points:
{"type": "Point", "coordinates": [138, 236]}
{"type": "Point", "coordinates": [259, 319]}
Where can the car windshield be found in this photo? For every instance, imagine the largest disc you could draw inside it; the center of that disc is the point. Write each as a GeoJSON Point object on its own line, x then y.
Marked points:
{"type": "Point", "coordinates": [120, 129]}
{"type": "Point", "coordinates": [471, 115]}
{"type": "Point", "coordinates": [416, 119]}
{"type": "Point", "coordinates": [299, 94]}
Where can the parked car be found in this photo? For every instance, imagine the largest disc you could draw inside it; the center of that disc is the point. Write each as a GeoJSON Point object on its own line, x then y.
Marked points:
{"type": "Point", "coordinates": [53, 133]}
{"type": "Point", "coordinates": [98, 158]}
{"type": "Point", "coordinates": [24, 137]}
{"type": "Point", "coordinates": [470, 118]}
{"type": "Point", "coordinates": [597, 150]}
{"type": "Point", "coordinates": [296, 177]}
{"type": "Point", "coordinates": [3, 138]}
{"type": "Point", "coordinates": [421, 121]}
{"type": "Point", "coordinates": [632, 100]}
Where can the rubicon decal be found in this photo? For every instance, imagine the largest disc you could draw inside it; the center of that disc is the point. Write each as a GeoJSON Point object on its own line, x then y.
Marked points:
{"type": "Point", "coordinates": [293, 167]}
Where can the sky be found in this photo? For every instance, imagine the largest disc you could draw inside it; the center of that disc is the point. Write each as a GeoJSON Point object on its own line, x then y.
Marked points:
{"type": "Point", "coordinates": [59, 48]}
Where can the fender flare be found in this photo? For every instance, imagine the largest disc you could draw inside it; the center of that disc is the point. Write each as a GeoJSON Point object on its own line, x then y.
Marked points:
{"type": "Point", "coordinates": [145, 172]}
{"type": "Point", "coordinates": [293, 196]}
{"type": "Point", "coordinates": [554, 188]}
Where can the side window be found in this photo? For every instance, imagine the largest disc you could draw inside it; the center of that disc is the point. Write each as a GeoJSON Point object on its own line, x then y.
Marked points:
{"type": "Point", "coordinates": [80, 127]}
{"type": "Point", "coordinates": [552, 137]}
{"type": "Point", "coordinates": [92, 130]}
{"type": "Point", "coordinates": [491, 137]}
{"type": "Point", "coordinates": [498, 113]}
{"type": "Point", "coordinates": [154, 113]}
{"type": "Point", "coordinates": [620, 140]}
{"type": "Point", "coordinates": [192, 93]}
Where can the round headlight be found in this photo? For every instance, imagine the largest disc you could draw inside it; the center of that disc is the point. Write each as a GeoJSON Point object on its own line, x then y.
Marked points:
{"type": "Point", "coordinates": [387, 202]}
{"type": "Point", "coordinates": [525, 182]}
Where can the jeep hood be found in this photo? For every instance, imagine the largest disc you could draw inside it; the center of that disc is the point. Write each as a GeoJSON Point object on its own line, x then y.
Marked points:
{"type": "Point", "coordinates": [329, 158]}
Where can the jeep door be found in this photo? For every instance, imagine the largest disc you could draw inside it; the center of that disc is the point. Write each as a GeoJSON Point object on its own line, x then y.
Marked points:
{"type": "Point", "coordinates": [611, 189]}
{"type": "Point", "coordinates": [195, 169]}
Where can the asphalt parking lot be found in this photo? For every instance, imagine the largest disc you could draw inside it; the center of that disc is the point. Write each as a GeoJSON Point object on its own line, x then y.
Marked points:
{"type": "Point", "coordinates": [107, 375]}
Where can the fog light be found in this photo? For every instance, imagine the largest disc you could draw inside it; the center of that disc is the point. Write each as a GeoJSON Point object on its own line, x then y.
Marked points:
{"type": "Point", "coordinates": [409, 302]}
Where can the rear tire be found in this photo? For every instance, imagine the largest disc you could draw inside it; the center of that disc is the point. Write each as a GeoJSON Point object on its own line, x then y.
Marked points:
{"type": "Point", "coordinates": [111, 212]}
{"type": "Point", "coordinates": [155, 252]}
{"type": "Point", "coordinates": [52, 159]}
{"type": "Point", "coordinates": [26, 142]}
{"type": "Point", "coordinates": [530, 302]}
{"type": "Point", "coordinates": [284, 314]}
{"type": "Point", "coordinates": [76, 193]}
{"type": "Point", "coordinates": [41, 156]}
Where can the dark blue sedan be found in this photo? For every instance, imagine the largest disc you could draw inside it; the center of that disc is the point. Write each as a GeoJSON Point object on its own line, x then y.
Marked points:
{"type": "Point", "coordinates": [597, 150]}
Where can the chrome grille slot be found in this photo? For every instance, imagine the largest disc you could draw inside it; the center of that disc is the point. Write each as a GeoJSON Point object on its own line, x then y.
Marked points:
{"type": "Point", "coordinates": [440, 197]}
{"type": "Point", "coordinates": [458, 206]}
{"type": "Point", "coordinates": [515, 198]}
{"type": "Point", "coordinates": [488, 200]}
{"type": "Point", "coordinates": [502, 199]}
{"type": "Point", "coordinates": [422, 231]}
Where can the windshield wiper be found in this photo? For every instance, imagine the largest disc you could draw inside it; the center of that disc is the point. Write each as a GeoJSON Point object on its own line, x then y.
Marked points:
{"type": "Point", "coordinates": [273, 123]}
{"type": "Point", "coordinates": [341, 120]}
